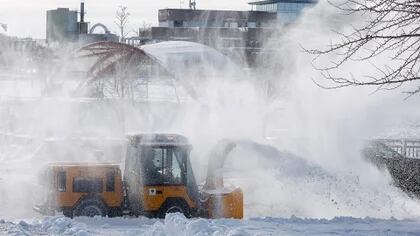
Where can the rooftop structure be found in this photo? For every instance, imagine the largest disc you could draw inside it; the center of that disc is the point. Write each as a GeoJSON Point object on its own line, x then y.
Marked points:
{"type": "Point", "coordinates": [214, 19]}
{"type": "Point", "coordinates": [287, 10]}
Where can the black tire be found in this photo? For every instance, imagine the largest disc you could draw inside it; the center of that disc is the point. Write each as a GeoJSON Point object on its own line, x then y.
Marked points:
{"type": "Point", "coordinates": [68, 213]}
{"type": "Point", "coordinates": [115, 212]}
{"type": "Point", "coordinates": [173, 206]}
{"type": "Point", "coordinates": [90, 208]}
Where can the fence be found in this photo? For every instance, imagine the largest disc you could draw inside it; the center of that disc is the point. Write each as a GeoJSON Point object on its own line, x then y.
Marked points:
{"type": "Point", "coordinates": [405, 147]}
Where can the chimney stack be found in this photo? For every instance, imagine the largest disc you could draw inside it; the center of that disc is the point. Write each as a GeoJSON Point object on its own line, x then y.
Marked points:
{"type": "Point", "coordinates": [83, 26]}
{"type": "Point", "coordinates": [82, 12]}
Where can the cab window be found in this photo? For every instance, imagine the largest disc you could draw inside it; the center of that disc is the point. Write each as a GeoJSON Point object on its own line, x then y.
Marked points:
{"type": "Point", "coordinates": [173, 167]}
{"type": "Point", "coordinates": [163, 165]}
{"type": "Point", "coordinates": [62, 181]}
{"type": "Point", "coordinates": [152, 166]}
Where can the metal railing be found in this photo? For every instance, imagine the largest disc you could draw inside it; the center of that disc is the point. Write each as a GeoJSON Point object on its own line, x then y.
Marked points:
{"type": "Point", "coordinates": [406, 147]}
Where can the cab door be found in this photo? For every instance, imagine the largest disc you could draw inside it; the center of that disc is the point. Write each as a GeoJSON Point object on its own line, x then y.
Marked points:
{"type": "Point", "coordinates": [153, 181]}
{"type": "Point", "coordinates": [175, 175]}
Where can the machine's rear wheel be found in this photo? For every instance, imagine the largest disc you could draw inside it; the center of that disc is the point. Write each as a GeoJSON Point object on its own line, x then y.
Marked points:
{"type": "Point", "coordinates": [174, 206]}
{"type": "Point", "coordinates": [68, 213]}
{"type": "Point", "coordinates": [90, 208]}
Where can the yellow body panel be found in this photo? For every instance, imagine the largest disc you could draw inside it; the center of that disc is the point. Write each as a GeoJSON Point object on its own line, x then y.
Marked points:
{"type": "Point", "coordinates": [226, 205]}
{"type": "Point", "coordinates": [155, 196]}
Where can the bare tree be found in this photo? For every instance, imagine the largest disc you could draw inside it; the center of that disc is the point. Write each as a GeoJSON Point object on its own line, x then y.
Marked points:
{"type": "Point", "coordinates": [145, 29]}
{"type": "Point", "coordinates": [121, 19]}
{"type": "Point", "coordinates": [391, 30]}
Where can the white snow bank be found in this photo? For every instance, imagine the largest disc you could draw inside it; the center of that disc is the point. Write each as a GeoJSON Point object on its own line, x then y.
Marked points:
{"type": "Point", "coordinates": [46, 226]}
{"type": "Point", "coordinates": [177, 224]}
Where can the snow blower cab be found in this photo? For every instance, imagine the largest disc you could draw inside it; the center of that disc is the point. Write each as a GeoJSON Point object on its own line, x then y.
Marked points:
{"type": "Point", "coordinates": [160, 180]}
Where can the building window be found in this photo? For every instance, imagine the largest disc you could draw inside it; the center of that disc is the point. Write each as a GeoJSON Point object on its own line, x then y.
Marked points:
{"type": "Point", "coordinates": [267, 7]}
{"type": "Point", "coordinates": [178, 23]}
{"type": "Point", "coordinates": [252, 24]}
{"type": "Point", "coordinates": [287, 11]}
{"type": "Point", "coordinates": [292, 7]}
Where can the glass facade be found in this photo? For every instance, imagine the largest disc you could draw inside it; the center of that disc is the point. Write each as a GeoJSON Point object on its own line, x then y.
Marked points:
{"type": "Point", "coordinates": [287, 10]}
{"type": "Point", "coordinates": [272, 7]}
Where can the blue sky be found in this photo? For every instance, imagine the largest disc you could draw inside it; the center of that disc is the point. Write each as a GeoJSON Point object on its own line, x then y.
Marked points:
{"type": "Point", "coordinates": [26, 18]}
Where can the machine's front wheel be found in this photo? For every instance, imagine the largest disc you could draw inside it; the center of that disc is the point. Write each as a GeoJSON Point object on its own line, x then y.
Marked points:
{"type": "Point", "coordinates": [174, 206]}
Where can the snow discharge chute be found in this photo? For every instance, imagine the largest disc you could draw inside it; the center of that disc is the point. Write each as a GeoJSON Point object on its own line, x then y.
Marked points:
{"type": "Point", "coordinates": [218, 157]}
{"type": "Point", "coordinates": [222, 202]}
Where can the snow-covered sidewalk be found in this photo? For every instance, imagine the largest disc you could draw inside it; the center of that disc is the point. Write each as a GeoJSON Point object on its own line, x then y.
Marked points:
{"type": "Point", "coordinates": [176, 224]}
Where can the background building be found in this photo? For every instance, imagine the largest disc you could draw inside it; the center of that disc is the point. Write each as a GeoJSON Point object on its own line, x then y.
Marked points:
{"type": "Point", "coordinates": [62, 25]}
{"type": "Point", "coordinates": [238, 34]}
{"type": "Point", "coordinates": [287, 10]}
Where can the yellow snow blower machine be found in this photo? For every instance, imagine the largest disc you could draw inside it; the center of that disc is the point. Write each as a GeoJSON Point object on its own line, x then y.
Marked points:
{"type": "Point", "coordinates": [157, 179]}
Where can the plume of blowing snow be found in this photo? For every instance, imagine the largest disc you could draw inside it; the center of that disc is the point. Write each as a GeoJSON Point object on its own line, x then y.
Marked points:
{"type": "Point", "coordinates": [298, 154]}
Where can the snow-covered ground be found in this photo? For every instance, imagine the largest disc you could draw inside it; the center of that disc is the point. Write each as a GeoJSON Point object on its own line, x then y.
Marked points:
{"type": "Point", "coordinates": [323, 188]}
{"type": "Point", "coordinates": [176, 224]}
